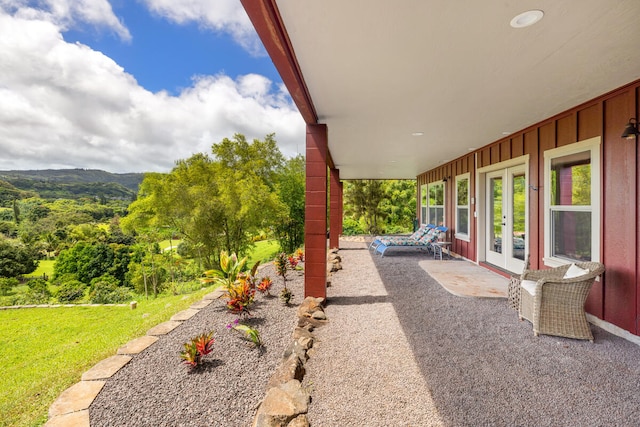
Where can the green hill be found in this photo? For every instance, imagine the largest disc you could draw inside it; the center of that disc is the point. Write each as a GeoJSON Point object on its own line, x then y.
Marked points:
{"type": "Point", "coordinates": [68, 184]}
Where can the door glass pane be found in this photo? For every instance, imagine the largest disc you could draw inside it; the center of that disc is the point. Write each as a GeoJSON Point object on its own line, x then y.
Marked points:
{"type": "Point", "coordinates": [518, 210]}
{"type": "Point", "coordinates": [496, 214]}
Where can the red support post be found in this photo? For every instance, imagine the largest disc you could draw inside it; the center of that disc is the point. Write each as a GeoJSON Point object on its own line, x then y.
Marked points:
{"type": "Point", "coordinates": [335, 208]}
{"type": "Point", "coordinates": [315, 225]}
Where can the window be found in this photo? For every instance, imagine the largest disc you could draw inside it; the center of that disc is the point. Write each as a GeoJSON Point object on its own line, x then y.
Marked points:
{"type": "Point", "coordinates": [572, 204]}
{"type": "Point", "coordinates": [462, 206]}
{"type": "Point", "coordinates": [423, 204]}
{"type": "Point", "coordinates": [436, 203]}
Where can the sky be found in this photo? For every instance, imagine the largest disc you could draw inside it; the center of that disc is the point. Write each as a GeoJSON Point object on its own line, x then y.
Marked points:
{"type": "Point", "coordinates": [134, 85]}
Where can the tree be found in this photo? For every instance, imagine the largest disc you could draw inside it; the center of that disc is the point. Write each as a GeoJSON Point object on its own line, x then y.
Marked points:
{"type": "Point", "coordinates": [214, 204]}
{"type": "Point", "coordinates": [88, 261]}
{"type": "Point", "coordinates": [16, 260]}
{"type": "Point", "coordinates": [399, 205]}
{"type": "Point", "coordinates": [363, 200]}
{"type": "Point", "coordinates": [289, 229]}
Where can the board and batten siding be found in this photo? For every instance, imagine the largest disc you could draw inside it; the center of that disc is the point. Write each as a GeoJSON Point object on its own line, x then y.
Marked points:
{"type": "Point", "coordinates": [615, 298]}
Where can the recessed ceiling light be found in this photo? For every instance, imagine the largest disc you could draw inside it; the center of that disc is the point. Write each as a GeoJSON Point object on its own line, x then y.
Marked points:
{"type": "Point", "coordinates": [527, 18]}
{"type": "Point", "coordinates": [417, 133]}
{"type": "Point", "coordinates": [506, 133]}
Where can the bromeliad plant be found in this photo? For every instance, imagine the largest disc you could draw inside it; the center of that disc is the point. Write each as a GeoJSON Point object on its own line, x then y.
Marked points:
{"type": "Point", "coordinates": [195, 349]}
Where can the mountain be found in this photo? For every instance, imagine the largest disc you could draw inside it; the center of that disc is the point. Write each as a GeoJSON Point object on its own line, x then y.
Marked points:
{"type": "Point", "coordinates": [68, 183]}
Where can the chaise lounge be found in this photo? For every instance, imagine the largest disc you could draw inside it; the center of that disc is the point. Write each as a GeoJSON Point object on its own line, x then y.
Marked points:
{"type": "Point", "coordinates": [424, 242]}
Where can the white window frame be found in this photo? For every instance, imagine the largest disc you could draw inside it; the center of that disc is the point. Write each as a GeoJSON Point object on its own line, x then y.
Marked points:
{"type": "Point", "coordinates": [593, 146]}
{"type": "Point", "coordinates": [424, 204]}
{"type": "Point", "coordinates": [459, 235]}
{"type": "Point", "coordinates": [444, 202]}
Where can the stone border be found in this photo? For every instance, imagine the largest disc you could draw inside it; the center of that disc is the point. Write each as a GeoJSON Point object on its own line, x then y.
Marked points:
{"type": "Point", "coordinates": [71, 408]}
{"type": "Point", "coordinates": [286, 402]}
{"type": "Point", "coordinates": [17, 307]}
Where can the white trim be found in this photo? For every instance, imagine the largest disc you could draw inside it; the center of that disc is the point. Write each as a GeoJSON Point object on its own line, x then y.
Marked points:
{"type": "Point", "coordinates": [481, 202]}
{"type": "Point", "coordinates": [444, 201]}
{"type": "Point", "coordinates": [593, 146]}
{"type": "Point", "coordinates": [613, 329]}
{"type": "Point", "coordinates": [462, 236]}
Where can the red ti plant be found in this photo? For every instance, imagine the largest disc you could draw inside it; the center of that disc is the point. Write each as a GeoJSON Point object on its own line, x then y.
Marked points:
{"type": "Point", "coordinates": [265, 285]}
{"type": "Point", "coordinates": [196, 348]}
{"type": "Point", "coordinates": [241, 297]}
{"type": "Point", "coordinates": [300, 255]}
{"type": "Point", "coordinates": [293, 261]}
{"type": "Point", "coordinates": [282, 265]}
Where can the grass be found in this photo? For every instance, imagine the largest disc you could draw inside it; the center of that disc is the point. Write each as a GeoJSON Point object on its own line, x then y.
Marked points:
{"type": "Point", "coordinates": [45, 266]}
{"type": "Point", "coordinates": [44, 351]}
{"type": "Point", "coordinates": [264, 251]}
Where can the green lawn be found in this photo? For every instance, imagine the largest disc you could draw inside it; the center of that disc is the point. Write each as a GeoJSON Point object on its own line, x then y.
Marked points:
{"type": "Point", "coordinates": [264, 251]}
{"type": "Point", "coordinates": [45, 266]}
{"type": "Point", "coordinates": [44, 351]}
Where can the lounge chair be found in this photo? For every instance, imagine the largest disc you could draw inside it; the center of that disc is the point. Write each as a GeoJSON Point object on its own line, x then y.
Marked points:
{"type": "Point", "coordinates": [553, 299]}
{"type": "Point", "coordinates": [425, 242]}
{"type": "Point", "coordinates": [424, 229]}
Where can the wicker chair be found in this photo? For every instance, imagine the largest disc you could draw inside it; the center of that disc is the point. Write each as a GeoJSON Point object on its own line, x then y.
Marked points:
{"type": "Point", "coordinates": [557, 306]}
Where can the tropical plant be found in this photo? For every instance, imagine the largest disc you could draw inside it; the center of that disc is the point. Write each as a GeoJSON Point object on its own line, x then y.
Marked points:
{"type": "Point", "coordinates": [265, 285]}
{"type": "Point", "coordinates": [241, 297]}
{"type": "Point", "coordinates": [230, 268]}
{"type": "Point", "coordinates": [250, 333]}
{"type": "Point", "coordinates": [194, 350]}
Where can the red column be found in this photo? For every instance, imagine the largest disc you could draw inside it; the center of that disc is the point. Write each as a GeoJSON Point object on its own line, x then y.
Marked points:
{"type": "Point", "coordinates": [315, 223]}
{"type": "Point", "coordinates": [335, 209]}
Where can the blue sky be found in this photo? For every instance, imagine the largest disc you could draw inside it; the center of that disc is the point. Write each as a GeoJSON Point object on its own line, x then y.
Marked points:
{"type": "Point", "coordinates": [133, 85]}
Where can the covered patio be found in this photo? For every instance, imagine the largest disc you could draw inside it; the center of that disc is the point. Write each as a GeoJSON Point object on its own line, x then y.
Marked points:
{"type": "Point", "coordinates": [495, 108]}
{"type": "Point", "coordinates": [399, 349]}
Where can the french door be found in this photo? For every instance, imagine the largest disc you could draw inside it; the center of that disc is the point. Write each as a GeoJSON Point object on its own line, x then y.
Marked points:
{"type": "Point", "coordinates": [506, 212]}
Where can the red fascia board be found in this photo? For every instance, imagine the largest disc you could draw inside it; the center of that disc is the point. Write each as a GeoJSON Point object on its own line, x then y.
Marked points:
{"type": "Point", "coordinates": [266, 19]}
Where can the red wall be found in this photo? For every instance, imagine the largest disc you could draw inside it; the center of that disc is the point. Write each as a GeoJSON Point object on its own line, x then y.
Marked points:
{"type": "Point", "coordinates": [616, 297]}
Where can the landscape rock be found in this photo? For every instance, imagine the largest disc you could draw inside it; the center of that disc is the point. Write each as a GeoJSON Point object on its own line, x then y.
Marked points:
{"type": "Point", "coordinates": [291, 368]}
{"type": "Point", "coordinates": [282, 404]}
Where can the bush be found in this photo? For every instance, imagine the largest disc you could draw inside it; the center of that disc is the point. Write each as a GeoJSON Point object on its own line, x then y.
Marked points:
{"type": "Point", "coordinates": [7, 284]}
{"type": "Point", "coordinates": [105, 290]}
{"type": "Point", "coordinates": [38, 292]}
{"type": "Point", "coordinates": [71, 291]}
{"type": "Point", "coordinates": [351, 227]}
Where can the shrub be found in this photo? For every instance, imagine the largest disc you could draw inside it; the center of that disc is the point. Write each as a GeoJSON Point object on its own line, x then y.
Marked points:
{"type": "Point", "coordinates": [7, 284]}
{"type": "Point", "coordinates": [195, 349]}
{"type": "Point", "coordinates": [38, 292]}
{"type": "Point", "coordinates": [71, 291]}
{"type": "Point", "coordinates": [351, 227]}
{"type": "Point", "coordinates": [107, 292]}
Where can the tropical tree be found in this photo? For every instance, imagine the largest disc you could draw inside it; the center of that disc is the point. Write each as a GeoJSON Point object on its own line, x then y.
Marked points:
{"type": "Point", "coordinates": [364, 201]}
{"type": "Point", "coordinates": [214, 204]}
{"type": "Point", "coordinates": [289, 229]}
{"type": "Point", "coordinates": [16, 259]}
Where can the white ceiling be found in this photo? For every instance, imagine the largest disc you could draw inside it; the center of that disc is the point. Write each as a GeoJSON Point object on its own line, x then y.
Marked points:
{"type": "Point", "coordinates": [377, 71]}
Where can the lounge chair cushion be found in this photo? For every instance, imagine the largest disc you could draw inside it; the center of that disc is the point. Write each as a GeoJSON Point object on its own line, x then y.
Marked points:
{"type": "Point", "coordinates": [529, 286]}
{"type": "Point", "coordinates": [575, 271]}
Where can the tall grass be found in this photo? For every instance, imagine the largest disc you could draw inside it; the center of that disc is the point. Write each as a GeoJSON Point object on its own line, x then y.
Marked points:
{"type": "Point", "coordinates": [43, 351]}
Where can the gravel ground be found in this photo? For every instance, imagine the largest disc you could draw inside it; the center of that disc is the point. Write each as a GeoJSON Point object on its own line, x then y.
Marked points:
{"type": "Point", "coordinates": [401, 351]}
{"type": "Point", "coordinates": [398, 350]}
{"type": "Point", "coordinates": [157, 389]}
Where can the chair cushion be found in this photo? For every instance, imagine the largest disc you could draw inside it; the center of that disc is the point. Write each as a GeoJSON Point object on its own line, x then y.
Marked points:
{"type": "Point", "coordinates": [529, 286]}
{"type": "Point", "coordinates": [574, 271]}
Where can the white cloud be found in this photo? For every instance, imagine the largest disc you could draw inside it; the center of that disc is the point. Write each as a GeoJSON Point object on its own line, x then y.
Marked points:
{"type": "Point", "coordinates": [69, 13]}
{"type": "Point", "coordinates": [64, 105]}
{"type": "Point", "coordinates": [219, 15]}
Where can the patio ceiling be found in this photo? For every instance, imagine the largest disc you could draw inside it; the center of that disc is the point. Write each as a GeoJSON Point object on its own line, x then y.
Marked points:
{"type": "Point", "coordinates": [378, 71]}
